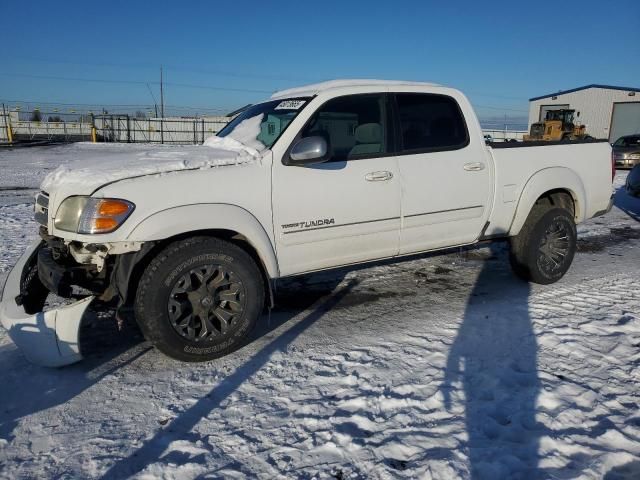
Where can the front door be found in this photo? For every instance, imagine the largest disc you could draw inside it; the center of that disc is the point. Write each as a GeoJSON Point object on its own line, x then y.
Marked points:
{"type": "Point", "coordinates": [346, 210]}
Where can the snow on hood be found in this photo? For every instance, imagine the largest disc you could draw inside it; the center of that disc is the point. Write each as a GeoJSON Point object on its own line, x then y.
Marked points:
{"type": "Point", "coordinates": [93, 164]}
{"type": "Point", "coordinates": [245, 135]}
{"type": "Point", "coordinates": [230, 144]}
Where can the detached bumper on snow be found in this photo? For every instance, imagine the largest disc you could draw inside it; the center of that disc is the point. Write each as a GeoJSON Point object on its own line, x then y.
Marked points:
{"type": "Point", "coordinates": [48, 338]}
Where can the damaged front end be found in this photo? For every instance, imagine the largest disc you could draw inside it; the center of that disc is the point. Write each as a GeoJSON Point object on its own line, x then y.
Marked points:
{"type": "Point", "coordinates": [49, 338]}
{"type": "Point", "coordinates": [82, 273]}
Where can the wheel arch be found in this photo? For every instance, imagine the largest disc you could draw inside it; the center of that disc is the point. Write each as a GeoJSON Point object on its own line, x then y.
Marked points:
{"type": "Point", "coordinates": [135, 266]}
{"type": "Point", "coordinates": [230, 222]}
{"type": "Point", "coordinates": [556, 184]}
{"type": "Point", "coordinates": [227, 222]}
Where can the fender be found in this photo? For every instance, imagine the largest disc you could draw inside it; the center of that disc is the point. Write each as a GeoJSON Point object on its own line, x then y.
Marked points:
{"type": "Point", "coordinates": [543, 181]}
{"type": "Point", "coordinates": [204, 216]}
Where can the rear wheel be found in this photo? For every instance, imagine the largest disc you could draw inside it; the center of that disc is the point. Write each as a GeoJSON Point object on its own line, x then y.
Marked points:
{"type": "Point", "coordinates": [199, 299]}
{"type": "Point", "coordinates": [544, 249]}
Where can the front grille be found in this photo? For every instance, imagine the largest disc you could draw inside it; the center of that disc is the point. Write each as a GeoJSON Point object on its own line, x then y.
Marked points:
{"type": "Point", "coordinates": [41, 208]}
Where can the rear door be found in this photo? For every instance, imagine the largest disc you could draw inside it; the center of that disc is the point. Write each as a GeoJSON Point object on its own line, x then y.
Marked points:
{"type": "Point", "coordinates": [346, 210]}
{"type": "Point", "coordinates": [446, 178]}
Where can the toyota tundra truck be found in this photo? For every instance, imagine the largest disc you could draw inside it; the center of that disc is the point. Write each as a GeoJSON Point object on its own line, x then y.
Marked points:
{"type": "Point", "coordinates": [191, 239]}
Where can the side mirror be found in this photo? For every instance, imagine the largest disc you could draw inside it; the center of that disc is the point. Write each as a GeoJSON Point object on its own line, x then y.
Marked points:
{"type": "Point", "coordinates": [308, 151]}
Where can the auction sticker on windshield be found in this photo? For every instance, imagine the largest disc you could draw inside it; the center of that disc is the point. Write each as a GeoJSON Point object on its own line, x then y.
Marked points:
{"type": "Point", "coordinates": [290, 105]}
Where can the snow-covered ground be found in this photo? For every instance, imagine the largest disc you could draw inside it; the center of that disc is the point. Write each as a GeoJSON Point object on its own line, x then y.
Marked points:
{"type": "Point", "coordinates": [445, 366]}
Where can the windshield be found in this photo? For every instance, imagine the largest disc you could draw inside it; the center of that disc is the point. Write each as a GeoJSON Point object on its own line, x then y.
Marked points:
{"type": "Point", "coordinates": [261, 125]}
{"type": "Point", "coordinates": [562, 115]}
{"type": "Point", "coordinates": [633, 141]}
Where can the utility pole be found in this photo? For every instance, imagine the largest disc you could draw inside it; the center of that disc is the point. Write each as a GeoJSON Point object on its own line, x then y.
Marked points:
{"type": "Point", "coordinates": [505, 127]}
{"type": "Point", "coordinates": [161, 108]}
{"type": "Point", "coordinates": [155, 102]}
{"type": "Point", "coordinates": [7, 124]}
{"type": "Point", "coordinates": [161, 94]}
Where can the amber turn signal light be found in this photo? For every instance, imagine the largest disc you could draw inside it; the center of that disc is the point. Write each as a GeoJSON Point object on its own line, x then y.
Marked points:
{"type": "Point", "coordinates": [113, 208]}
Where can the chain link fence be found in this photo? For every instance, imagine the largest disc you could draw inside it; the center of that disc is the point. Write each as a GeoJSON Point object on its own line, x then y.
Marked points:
{"type": "Point", "coordinates": [123, 128]}
{"type": "Point", "coordinates": [30, 126]}
{"type": "Point", "coordinates": [5, 135]}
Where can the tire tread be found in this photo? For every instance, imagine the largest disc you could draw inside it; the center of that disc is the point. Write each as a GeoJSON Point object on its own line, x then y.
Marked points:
{"type": "Point", "coordinates": [150, 325]}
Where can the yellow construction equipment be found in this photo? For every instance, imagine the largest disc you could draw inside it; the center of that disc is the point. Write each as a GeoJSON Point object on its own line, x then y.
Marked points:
{"type": "Point", "coordinates": [558, 125]}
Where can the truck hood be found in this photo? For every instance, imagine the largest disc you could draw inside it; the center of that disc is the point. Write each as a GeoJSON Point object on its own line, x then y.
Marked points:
{"type": "Point", "coordinates": [93, 165]}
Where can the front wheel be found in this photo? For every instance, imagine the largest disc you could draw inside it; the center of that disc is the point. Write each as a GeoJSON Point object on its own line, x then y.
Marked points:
{"type": "Point", "coordinates": [199, 299]}
{"type": "Point", "coordinates": [544, 249]}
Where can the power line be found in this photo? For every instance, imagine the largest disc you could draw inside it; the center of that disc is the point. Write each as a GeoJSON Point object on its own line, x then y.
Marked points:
{"type": "Point", "coordinates": [131, 82]}
{"type": "Point", "coordinates": [477, 106]}
{"type": "Point", "coordinates": [493, 95]}
{"type": "Point", "coordinates": [124, 105]}
{"type": "Point", "coordinates": [180, 68]}
{"type": "Point", "coordinates": [155, 102]}
{"type": "Point", "coordinates": [63, 108]}
{"type": "Point", "coordinates": [207, 71]}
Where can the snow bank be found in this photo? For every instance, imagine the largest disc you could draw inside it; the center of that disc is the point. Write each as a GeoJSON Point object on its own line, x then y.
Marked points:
{"type": "Point", "coordinates": [98, 164]}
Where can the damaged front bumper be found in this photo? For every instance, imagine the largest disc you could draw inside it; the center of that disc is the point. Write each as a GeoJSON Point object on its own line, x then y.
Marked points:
{"type": "Point", "coordinates": [48, 338]}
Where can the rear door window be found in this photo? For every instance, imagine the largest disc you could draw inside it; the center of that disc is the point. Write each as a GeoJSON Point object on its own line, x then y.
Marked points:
{"type": "Point", "coordinates": [429, 123]}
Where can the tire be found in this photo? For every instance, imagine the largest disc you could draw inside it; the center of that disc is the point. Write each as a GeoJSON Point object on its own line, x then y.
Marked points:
{"type": "Point", "coordinates": [544, 249]}
{"type": "Point", "coordinates": [199, 299]}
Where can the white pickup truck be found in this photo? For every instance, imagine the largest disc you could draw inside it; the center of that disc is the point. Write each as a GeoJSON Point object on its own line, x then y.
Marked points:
{"type": "Point", "coordinates": [193, 238]}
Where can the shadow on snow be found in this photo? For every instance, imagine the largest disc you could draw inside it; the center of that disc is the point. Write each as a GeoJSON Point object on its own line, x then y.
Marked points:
{"type": "Point", "coordinates": [493, 359]}
{"type": "Point", "coordinates": [628, 204]}
{"type": "Point", "coordinates": [180, 427]}
{"type": "Point", "coordinates": [28, 388]}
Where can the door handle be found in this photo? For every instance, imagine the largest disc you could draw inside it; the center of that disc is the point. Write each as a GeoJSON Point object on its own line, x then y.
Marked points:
{"type": "Point", "coordinates": [378, 176]}
{"type": "Point", "coordinates": [474, 167]}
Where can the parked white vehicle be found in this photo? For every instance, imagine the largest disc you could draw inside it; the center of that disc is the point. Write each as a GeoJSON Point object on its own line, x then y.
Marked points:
{"type": "Point", "coordinates": [317, 177]}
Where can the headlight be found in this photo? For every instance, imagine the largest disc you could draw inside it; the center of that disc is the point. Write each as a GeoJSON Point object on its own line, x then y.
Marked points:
{"type": "Point", "coordinates": [92, 215]}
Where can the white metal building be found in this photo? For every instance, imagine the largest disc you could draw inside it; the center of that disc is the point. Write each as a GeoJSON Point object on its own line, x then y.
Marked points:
{"type": "Point", "coordinates": [607, 111]}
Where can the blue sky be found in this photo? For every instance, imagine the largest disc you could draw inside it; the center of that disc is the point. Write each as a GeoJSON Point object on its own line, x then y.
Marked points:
{"type": "Point", "coordinates": [226, 54]}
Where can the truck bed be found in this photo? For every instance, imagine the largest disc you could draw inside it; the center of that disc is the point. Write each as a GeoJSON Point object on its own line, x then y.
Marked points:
{"type": "Point", "coordinates": [542, 143]}
{"type": "Point", "coordinates": [582, 168]}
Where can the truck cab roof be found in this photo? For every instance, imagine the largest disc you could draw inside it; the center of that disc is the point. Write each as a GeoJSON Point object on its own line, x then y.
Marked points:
{"type": "Point", "coordinates": [316, 88]}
